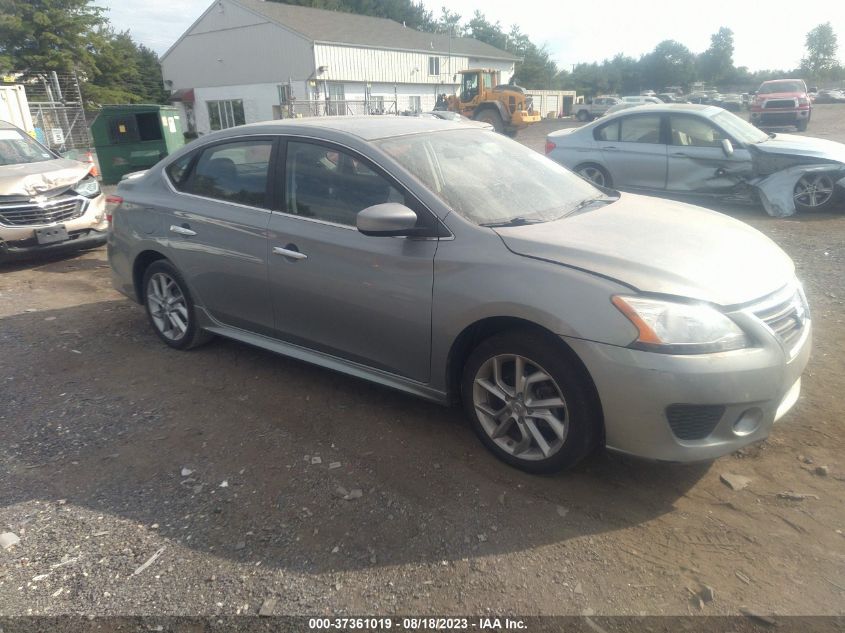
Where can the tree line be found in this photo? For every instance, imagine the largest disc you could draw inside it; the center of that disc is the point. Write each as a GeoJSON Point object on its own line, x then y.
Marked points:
{"type": "Point", "coordinates": [75, 35]}
{"type": "Point", "coordinates": [67, 35]}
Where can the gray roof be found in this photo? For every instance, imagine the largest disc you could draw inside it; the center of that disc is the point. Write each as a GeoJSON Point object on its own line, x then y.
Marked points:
{"type": "Point", "coordinates": [368, 128]}
{"type": "Point", "coordinates": [319, 25]}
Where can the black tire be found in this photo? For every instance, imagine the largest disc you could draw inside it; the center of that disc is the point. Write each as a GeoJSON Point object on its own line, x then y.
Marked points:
{"type": "Point", "coordinates": [491, 116]}
{"type": "Point", "coordinates": [602, 172]}
{"type": "Point", "coordinates": [193, 336]}
{"type": "Point", "coordinates": [583, 116]}
{"type": "Point", "coordinates": [802, 125]}
{"type": "Point", "coordinates": [544, 352]}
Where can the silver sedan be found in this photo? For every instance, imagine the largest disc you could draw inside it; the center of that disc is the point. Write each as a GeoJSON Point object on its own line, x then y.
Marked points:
{"type": "Point", "coordinates": [457, 265]}
{"type": "Point", "coordinates": [702, 150]}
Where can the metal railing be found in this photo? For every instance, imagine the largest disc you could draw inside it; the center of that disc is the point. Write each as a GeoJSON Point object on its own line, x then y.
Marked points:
{"type": "Point", "coordinates": [299, 109]}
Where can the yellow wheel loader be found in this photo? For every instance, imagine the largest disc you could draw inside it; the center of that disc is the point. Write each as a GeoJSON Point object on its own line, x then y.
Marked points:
{"type": "Point", "coordinates": [504, 106]}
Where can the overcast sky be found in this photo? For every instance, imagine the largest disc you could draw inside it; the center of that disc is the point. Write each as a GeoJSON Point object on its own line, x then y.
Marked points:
{"type": "Point", "coordinates": [766, 34]}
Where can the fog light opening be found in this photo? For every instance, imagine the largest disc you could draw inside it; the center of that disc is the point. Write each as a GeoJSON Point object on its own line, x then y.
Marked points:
{"type": "Point", "coordinates": [748, 422]}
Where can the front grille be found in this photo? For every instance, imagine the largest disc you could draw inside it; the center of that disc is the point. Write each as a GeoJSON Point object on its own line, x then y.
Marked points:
{"type": "Point", "coordinates": [27, 214]}
{"type": "Point", "coordinates": [694, 421]}
{"type": "Point", "coordinates": [780, 103]}
{"type": "Point", "coordinates": [785, 314]}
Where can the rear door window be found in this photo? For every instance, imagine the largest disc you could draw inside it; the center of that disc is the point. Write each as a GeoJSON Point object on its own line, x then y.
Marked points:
{"type": "Point", "coordinates": [233, 172]}
{"type": "Point", "coordinates": [609, 132]}
{"type": "Point", "coordinates": [640, 129]}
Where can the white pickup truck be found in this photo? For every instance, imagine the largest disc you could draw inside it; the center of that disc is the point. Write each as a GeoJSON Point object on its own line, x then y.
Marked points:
{"type": "Point", "coordinates": [593, 108]}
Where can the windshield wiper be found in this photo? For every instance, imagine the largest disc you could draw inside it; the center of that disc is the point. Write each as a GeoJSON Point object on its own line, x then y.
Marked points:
{"type": "Point", "coordinates": [591, 201]}
{"type": "Point", "coordinates": [517, 221]}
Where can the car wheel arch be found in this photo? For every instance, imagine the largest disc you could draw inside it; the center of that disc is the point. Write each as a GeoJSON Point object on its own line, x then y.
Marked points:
{"type": "Point", "coordinates": [139, 267]}
{"type": "Point", "coordinates": [608, 177]}
{"type": "Point", "coordinates": [473, 334]}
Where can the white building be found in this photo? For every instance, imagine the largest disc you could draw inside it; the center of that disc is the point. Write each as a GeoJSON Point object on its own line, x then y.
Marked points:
{"type": "Point", "coordinates": [248, 60]}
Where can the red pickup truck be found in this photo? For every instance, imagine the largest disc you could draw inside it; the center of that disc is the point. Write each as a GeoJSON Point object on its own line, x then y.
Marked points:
{"type": "Point", "coordinates": [782, 102]}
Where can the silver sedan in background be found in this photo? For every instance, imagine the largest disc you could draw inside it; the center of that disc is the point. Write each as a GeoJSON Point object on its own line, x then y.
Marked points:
{"type": "Point", "coordinates": [457, 265]}
{"type": "Point", "coordinates": [699, 149]}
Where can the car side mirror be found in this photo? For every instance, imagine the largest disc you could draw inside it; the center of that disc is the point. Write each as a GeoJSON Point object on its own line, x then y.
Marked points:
{"type": "Point", "coordinates": [390, 219]}
{"type": "Point", "coordinates": [727, 147]}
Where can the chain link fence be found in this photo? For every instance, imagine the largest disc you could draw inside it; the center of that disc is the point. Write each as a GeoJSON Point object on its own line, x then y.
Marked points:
{"type": "Point", "coordinates": [56, 107]}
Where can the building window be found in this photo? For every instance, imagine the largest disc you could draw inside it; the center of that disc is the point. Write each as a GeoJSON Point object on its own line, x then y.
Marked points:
{"type": "Point", "coordinates": [433, 65]}
{"type": "Point", "coordinates": [225, 114]}
{"type": "Point", "coordinates": [414, 103]}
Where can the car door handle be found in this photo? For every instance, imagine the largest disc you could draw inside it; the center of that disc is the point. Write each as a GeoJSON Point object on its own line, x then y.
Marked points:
{"type": "Point", "coordinates": [611, 148]}
{"type": "Point", "coordinates": [680, 154]}
{"type": "Point", "coordinates": [182, 230]}
{"type": "Point", "coordinates": [286, 252]}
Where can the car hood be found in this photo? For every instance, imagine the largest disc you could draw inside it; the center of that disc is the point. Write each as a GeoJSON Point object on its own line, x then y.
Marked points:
{"type": "Point", "coordinates": [661, 246]}
{"type": "Point", "coordinates": [44, 177]}
{"type": "Point", "coordinates": [794, 145]}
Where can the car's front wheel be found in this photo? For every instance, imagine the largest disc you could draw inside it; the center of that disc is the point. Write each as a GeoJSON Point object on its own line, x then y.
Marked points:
{"type": "Point", "coordinates": [170, 307]}
{"type": "Point", "coordinates": [530, 401]}
{"type": "Point", "coordinates": [814, 191]}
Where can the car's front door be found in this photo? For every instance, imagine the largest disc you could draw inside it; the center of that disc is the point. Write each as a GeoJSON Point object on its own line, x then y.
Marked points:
{"type": "Point", "coordinates": [697, 159]}
{"type": "Point", "coordinates": [336, 290]}
{"type": "Point", "coordinates": [633, 149]}
{"type": "Point", "coordinates": [216, 227]}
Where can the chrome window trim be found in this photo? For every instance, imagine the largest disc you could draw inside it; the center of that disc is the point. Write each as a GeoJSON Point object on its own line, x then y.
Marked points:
{"type": "Point", "coordinates": [284, 137]}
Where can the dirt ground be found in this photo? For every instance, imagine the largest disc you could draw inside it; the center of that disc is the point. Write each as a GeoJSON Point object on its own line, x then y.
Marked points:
{"type": "Point", "coordinates": [221, 466]}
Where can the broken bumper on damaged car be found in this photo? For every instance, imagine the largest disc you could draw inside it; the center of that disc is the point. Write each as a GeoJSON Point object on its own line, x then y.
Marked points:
{"type": "Point", "coordinates": [64, 224]}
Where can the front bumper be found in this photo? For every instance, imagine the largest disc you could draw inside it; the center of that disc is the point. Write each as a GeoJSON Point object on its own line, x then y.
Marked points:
{"type": "Point", "coordinates": [88, 230]}
{"type": "Point", "coordinates": [774, 116]}
{"type": "Point", "coordinates": [636, 388]}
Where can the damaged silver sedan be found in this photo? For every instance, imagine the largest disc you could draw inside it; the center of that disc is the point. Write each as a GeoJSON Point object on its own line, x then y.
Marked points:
{"type": "Point", "coordinates": [682, 149]}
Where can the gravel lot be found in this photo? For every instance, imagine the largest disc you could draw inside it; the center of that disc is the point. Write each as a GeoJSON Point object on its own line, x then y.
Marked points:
{"type": "Point", "coordinates": [221, 467]}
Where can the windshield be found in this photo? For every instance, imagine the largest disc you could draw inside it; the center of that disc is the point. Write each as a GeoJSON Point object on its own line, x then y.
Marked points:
{"type": "Point", "coordinates": [490, 179]}
{"type": "Point", "coordinates": [738, 128]}
{"type": "Point", "coordinates": [781, 86]}
{"type": "Point", "coordinates": [17, 148]}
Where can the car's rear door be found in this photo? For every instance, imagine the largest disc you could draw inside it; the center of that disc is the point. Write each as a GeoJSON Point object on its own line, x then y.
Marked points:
{"type": "Point", "coordinates": [634, 151]}
{"type": "Point", "coordinates": [217, 230]}
{"type": "Point", "coordinates": [335, 290]}
{"type": "Point", "coordinates": [697, 160]}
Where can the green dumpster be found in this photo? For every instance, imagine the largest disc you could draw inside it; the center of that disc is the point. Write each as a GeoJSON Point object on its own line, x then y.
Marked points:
{"type": "Point", "coordinates": [134, 137]}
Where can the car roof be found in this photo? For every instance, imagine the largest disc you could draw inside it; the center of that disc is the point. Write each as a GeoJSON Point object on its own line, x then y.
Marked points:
{"type": "Point", "coordinates": [706, 110]}
{"type": "Point", "coordinates": [368, 128]}
{"type": "Point", "coordinates": [5, 125]}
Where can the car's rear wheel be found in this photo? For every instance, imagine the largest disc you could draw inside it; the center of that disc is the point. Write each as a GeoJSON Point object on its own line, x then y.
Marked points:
{"type": "Point", "coordinates": [814, 192]}
{"type": "Point", "coordinates": [595, 174]}
{"type": "Point", "coordinates": [583, 116]}
{"type": "Point", "coordinates": [170, 307]}
{"type": "Point", "coordinates": [530, 402]}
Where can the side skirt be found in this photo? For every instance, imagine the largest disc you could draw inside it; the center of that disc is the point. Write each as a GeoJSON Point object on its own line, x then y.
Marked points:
{"type": "Point", "coordinates": [321, 359]}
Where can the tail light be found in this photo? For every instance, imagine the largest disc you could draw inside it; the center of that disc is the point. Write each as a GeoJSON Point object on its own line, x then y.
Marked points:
{"type": "Point", "coordinates": [112, 203]}
{"type": "Point", "coordinates": [549, 146]}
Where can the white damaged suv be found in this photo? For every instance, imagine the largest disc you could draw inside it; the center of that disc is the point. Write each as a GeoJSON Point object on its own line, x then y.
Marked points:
{"type": "Point", "coordinates": [47, 203]}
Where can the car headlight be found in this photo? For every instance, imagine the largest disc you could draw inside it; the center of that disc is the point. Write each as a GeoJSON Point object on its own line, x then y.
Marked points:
{"type": "Point", "coordinates": [680, 328]}
{"type": "Point", "coordinates": [88, 187]}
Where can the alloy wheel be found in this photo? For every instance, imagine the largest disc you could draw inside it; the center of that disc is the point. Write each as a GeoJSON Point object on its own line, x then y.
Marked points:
{"type": "Point", "coordinates": [168, 307]}
{"type": "Point", "coordinates": [813, 190]}
{"type": "Point", "coordinates": [593, 174]}
{"type": "Point", "coordinates": [521, 407]}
